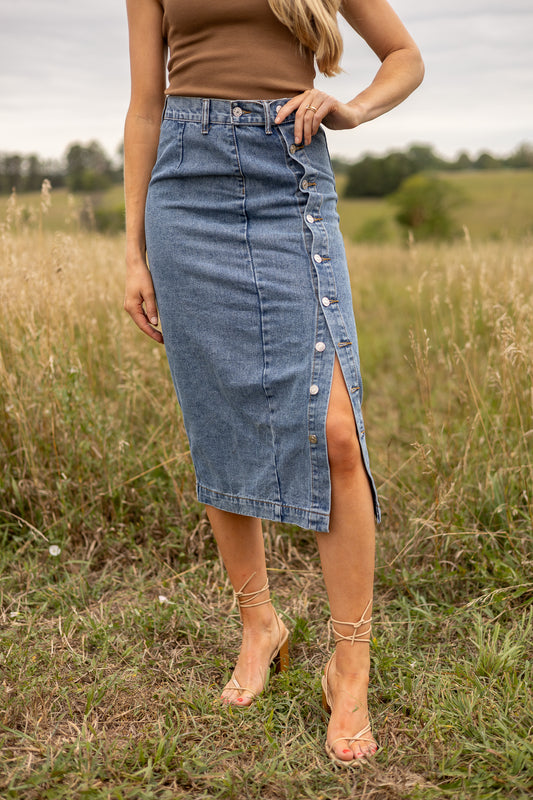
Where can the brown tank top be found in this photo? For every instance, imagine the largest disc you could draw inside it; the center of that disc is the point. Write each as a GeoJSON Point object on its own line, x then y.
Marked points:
{"type": "Point", "coordinates": [232, 49]}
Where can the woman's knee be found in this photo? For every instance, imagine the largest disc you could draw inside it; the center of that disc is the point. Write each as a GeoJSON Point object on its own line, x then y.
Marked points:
{"type": "Point", "coordinates": [344, 452]}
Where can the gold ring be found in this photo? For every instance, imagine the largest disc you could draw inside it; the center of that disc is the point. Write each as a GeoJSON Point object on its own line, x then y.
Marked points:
{"type": "Point", "coordinates": [311, 108]}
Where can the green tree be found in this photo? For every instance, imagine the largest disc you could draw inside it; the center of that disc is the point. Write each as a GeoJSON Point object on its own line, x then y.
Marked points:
{"type": "Point", "coordinates": [377, 177]}
{"type": "Point", "coordinates": [522, 157]}
{"type": "Point", "coordinates": [88, 167]}
{"type": "Point", "coordinates": [423, 158]}
{"type": "Point", "coordinates": [424, 205]}
{"type": "Point", "coordinates": [463, 161]}
{"type": "Point", "coordinates": [11, 167]}
{"type": "Point", "coordinates": [487, 161]}
{"type": "Point", "coordinates": [33, 173]}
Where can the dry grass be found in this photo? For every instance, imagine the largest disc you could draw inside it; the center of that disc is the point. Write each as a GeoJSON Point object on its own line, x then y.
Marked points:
{"type": "Point", "coordinates": [112, 652]}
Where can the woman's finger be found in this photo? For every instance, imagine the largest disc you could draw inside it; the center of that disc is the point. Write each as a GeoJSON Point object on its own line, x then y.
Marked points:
{"type": "Point", "coordinates": [303, 119]}
{"type": "Point", "coordinates": [290, 106]}
{"type": "Point", "coordinates": [309, 109]}
{"type": "Point", "coordinates": [143, 319]}
{"type": "Point", "coordinates": [312, 111]}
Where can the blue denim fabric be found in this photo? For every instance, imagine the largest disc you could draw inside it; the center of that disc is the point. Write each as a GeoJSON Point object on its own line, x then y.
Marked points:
{"type": "Point", "coordinates": [253, 291]}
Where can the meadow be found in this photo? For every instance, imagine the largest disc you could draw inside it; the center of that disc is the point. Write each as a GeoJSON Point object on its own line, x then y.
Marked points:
{"type": "Point", "coordinates": [116, 621]}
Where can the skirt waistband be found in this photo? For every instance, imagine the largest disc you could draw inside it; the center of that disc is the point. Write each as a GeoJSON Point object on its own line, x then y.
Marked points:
{"type": "Point", "coordinates": [213, 111]}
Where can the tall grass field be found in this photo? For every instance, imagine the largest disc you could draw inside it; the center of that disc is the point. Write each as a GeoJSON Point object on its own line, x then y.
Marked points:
{"type": "Point", "coordinates": [116, 620]}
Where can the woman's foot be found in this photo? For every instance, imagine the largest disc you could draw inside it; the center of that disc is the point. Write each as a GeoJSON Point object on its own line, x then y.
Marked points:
{"type": "Point", "coordinates": [349, 737]}
{"type": "Point", "coordinates": [262, 639]}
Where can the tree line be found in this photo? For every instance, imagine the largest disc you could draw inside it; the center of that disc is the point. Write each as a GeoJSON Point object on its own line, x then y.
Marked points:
{"type": "Point", "coordinates": [379, 176]}
{"type": "Point", "coordinates": [88, 168]}
{"type": "Point", "coordinates": [83, 168]}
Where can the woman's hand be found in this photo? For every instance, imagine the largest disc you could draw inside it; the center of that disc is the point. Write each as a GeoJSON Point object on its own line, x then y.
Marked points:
{"type": "Point", "coordinates": [312, 108]}
{"type": "Point", "coordinates": [139, 300]}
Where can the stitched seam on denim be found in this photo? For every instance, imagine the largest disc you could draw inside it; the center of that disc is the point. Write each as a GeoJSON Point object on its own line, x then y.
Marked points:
{"type": "Point", "coordinates": [255, 501]}
{"type": "Point", "coordinates": [302, 207]}
{"type": "Point", "coordinates": [309, 407]}
{"type": "Point", "coordinates": [289, 160]}
{"type": "Point", "coordinates": [313, 204]}
{"type": "Point", "coordinates": [261, 311]}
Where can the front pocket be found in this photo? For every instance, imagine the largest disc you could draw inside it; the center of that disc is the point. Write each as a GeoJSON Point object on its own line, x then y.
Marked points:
{"type": "Point", "coordinates": [169, 150]}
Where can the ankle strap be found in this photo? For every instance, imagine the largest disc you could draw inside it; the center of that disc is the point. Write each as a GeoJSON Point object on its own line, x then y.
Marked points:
{"type": "Point", "coordinates": [357, 635]}
{"type": "Point", "coordinates": [245, 599]}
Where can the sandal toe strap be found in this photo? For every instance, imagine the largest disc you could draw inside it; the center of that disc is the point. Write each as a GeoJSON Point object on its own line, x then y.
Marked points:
{"type": "Point", "coordinates": [356, 738]}
{"type": "Point", "coordinates": [241, 688]}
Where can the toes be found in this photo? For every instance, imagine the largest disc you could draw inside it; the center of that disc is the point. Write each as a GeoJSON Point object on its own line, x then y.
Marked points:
{"type": "Point", "coordinates": [346, 754]}
{"type": "Point", "coordinates": [235, 697]}
{"type": "Point", "coordinates": [364, 750]}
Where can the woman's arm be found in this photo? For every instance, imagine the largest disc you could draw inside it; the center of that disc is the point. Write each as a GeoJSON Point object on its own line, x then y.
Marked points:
{"type": "Point", "coordinates": [141, 136]}
{"type": "Point", "coordinates": [400, 73]}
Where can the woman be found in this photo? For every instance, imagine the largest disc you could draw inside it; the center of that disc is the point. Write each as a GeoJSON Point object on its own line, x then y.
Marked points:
{"type": "Point", "coordinates": [233, 202]}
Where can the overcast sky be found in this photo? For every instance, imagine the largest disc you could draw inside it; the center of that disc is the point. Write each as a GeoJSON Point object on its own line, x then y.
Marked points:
{"type": "Point", "coordinates": [64, 76]}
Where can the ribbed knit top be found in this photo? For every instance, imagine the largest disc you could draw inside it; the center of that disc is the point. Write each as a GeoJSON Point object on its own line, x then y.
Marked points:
{"type": "Point", "coordinates": [232, 49]}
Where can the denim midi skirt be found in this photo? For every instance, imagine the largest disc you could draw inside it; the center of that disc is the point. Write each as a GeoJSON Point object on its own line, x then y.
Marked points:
{"type": "Point", "coordinates": [254, 297]}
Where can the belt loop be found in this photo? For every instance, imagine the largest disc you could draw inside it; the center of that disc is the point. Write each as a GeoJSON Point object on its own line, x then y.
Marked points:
{"type": "Point", "coordinates": [266, 110]}
{"type": "Point", "coordinates": [164, 108]}
{"type": "Point", "coordinates": [205, 116]}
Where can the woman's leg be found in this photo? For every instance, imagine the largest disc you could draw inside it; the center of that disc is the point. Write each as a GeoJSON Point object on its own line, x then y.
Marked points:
{"type": "Point", "coordinates": [240, 542]}
{"type": "Point", "coordinates": [347, 556]}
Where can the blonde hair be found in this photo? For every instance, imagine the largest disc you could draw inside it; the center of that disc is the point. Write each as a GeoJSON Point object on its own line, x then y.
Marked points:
{"type": "Point", "coordinates": [314, 23]}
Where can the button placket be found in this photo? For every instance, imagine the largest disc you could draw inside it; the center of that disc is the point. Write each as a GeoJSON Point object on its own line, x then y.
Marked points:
{"type": "Point", "coordinates": [318, 250]}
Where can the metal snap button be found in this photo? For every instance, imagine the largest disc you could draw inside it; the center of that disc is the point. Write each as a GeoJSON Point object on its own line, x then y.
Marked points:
{"type": "Point", "coordinates": [313, 389]}
{"type": "Point", "coordinates": [310, 218]}
{"type": "Point", "coordinates": [278, 109]}
{"type": "Point", "coordinates": [305, 184]}
{"type": "Point", "coordinates": [317, 258]}
{"type": "Point", "coordinates": [325, 301]}
{"type": "Point", "coordinates": [320, 347]}
{"type": "Point", "coordinates": [237, 111]}
{"type": "Point", "coordinates": [292, 149]}
{"type": "Point", "coordinates": [313, 439]}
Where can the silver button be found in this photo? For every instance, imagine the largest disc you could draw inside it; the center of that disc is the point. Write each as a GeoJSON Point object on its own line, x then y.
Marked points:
{"type": "Point", "coordinates": [313, 389]}
{"type": "Point", "coordinates": [317, 258]}
{"type": "Point", "coordinates": [278, 109]}
{"type": "Point", "coordinates": [313, 439]}
{"type": "Point", "coordinates": [237, 111]}
{"type": "Point", "coordinates": [310, 218]}
{"type": "Point", "coordinates": [325, 301]}
{"type": "Point", "coordinates": [320, 347]}
{"type": "Point", "coordinates": [305, 184]}
{"type": "Point", "coordinates": [292, 149]}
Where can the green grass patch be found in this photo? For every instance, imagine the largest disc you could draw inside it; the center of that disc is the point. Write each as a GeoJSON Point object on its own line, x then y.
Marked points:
{"type": "Point", "coordinates": [496, 205]}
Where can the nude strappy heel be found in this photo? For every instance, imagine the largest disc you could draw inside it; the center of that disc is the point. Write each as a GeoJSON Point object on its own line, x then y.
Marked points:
{"type": "Point", "coordinates": [357, 635]}
{"type": "Point", "coordinates": [280, 654]}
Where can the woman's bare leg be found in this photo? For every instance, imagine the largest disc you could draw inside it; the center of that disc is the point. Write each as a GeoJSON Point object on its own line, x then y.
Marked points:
{"type": "Point", "coordinates": [240, 542]}
{"type": "Point", "coordinates": [347, 556]}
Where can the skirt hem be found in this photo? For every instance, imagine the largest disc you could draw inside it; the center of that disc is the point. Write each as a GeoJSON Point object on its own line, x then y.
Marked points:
{"type": "Point", "coordinates": [264, 509]}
